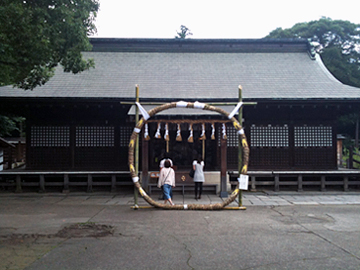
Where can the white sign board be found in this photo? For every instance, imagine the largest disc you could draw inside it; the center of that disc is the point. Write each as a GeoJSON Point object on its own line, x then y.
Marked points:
{"type": "Point", "coordinates": [243, 181]}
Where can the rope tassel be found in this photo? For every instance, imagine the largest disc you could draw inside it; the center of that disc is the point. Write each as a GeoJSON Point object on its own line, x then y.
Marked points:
{"type": "Point", "coordinates": [157, 134]}
{"type": "Point", "coordinates": [178, 134]}
{"type": "Point", "coordinates": [202, 136]}
{"type": "Point", "coordinates": [146, 133]}
{"type": "Point", "coordinates": [191, 137]}
{"type": "Point", "coordinates": [212, 131]}
{"type": "Point", "coordinates": [166, 136]}
{"type": "Point", "coordinates": [224, 132]}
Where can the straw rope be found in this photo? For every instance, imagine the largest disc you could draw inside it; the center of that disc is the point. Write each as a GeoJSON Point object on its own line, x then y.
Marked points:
{"type": "Point", "coordinates": [217, 206]}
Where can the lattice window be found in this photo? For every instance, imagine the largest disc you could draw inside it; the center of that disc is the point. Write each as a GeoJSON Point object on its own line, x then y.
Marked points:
{"type": "Point", "coordinates": [95, 136]}
{"type": "Point", "coordinates": [313, 136]}
{"type": "Point", "coordinates": [269, 136]}
{"type": "Point", "coordinates": [232, 137]}
{"type": "Point", "coordinates": [50, 136]}
{"type": "Point", "coordinates": [231, 134]}
{"type": "Point", "coordinates": [125, 133]}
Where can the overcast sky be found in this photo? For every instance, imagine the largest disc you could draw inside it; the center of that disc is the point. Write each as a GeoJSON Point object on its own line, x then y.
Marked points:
{"type": "Point", "coordinates": [214, 19]}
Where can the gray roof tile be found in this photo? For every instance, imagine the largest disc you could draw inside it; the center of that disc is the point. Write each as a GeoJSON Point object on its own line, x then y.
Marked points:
{"type": "Point", "coordinates": [196, 76]}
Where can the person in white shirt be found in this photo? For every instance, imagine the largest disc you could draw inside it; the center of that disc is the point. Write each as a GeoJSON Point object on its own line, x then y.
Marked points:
{"type": "Point", "coordinates": [199, 177]}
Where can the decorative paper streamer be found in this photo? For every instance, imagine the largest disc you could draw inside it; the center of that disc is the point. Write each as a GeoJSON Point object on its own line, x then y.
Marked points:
{"type": "Point", "coordinates": [146, 133]}
{"type": "Point", "coordinates": [143, 111]}
{"type": "Point", "coordinates": [178, 133]}
{"type": "Point", "coordinates": [166, 136]}
{"type": "Point", "coordinates": [235, 110]}
{"type": "Point", "coordinates": [157, 134]}
{"type": "Point", "coordinates": [212, 131]}
{"type": "Point", "coordinates": [135, 179]}
{"type": "Point", "coordinates": [202, 136]}
{"type": "Point", "coordinates": [181, 104]}
{"type": "Point", "coordinates": [224, 132]}
{"type": "Point", "coordinates": [191, 137]}
{"type": "Point", "coordinates": [198, 105]}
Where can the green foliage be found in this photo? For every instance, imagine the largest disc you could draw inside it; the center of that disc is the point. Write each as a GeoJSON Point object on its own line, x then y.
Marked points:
{"type": "Point", "coordinates": [337, 41]}
{"type": "Point", "coordinates": [36, 35]}
{"type": "Point", "coordinates": [184, 32]}
{"type": "Point", "coordinates": [9, 124]}
{"type": "Point", "coordinates": [356, 158]}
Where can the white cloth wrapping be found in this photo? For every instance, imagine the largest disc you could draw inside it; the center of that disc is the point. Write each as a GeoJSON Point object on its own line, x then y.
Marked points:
{"type": "Point", "coordinates": [143, 112]}
{"type": "Point", "coordinates": [181, 104]}
{"type": "Point", "coordinates": [135, 179]}
{"type": "Point", "coordinates": [235, 110]}
{"type": "Point", "coordinates": [241, 131]}
{"type": "Point", "coordinates": [199, 105]}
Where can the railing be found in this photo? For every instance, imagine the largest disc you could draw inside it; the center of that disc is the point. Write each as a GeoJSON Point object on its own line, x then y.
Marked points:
{"type": "Point", "coordinates": [351, 158]}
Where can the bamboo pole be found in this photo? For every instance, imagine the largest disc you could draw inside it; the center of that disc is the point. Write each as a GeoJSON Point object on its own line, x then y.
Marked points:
{"type": "Point", "coordinates": [240, 161]}
{"type": "Point", "coordinates": [203, 149]}
{"type": "Point", "coordinates": [136, 194]}
{"type": "Point", "coordinates": [213, 103]}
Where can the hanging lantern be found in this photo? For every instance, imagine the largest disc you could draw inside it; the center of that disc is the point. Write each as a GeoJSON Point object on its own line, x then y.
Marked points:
{"type": "Point", "coordinates": [166, 136]}
{"type": "Point", "coordinates": [178, 133]}
{"type": "Point", "coordinates": [157, 134]}
{"type": "Point", "coordinates": [191, 137]}
{"type": "Point", "coordinates": [224, 132]}
{"type": "Point", "coordinates": [212, 131]}
{"type": "Point", "coordinates": [202, 136]}
{"type": "Point", "coordinates": [146, 133]}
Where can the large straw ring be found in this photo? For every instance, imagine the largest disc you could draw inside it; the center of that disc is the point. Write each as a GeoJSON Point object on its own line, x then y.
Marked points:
{"type": "Point", "coordinates": [196, 105]}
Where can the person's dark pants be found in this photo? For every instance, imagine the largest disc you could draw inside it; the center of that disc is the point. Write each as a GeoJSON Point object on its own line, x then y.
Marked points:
{"type": "Point", "coordinates": [198, 189]}
{"type": "Point", "coordinates": [161, 197]}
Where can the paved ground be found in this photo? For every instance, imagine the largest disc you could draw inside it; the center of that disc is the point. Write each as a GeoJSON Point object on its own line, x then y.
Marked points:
{"type": "Point", "coordinates": [309, 230]}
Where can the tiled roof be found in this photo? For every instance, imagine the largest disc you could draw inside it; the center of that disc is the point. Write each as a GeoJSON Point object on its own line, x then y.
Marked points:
{"type": "Point", "coordinates": [196, 70]}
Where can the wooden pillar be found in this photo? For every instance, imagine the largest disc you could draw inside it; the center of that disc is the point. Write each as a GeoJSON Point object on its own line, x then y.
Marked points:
{"type": "Point", "coordinates": [223, 164]}
{"type": "Point", "coordinates": [277, 182]}
{"type": "Point", "coordinates": [323, 188]}
{"type": "Point", "coordinates": [42, 183]}
{"type": "Point", "coordinates": [66, 184]}
{"type": "Point", "coordinates": [253, 183]}
{"type": "Point", "coordinates": [18, 184]}
{"type": "Point", "coordinates": [10, 161]}
{"type": "Point", "coordinates": [113, 183]}
{"type": "Point", "coordinates": [89, 183]}
{"type": "Point", "coordinates": [300, 182]}
{"type": "Point", "coordinates": [145, 163]}
{"type": "Point", "coordinates": [72, 145]}
{"type": "Point", "coordinates": [346, 183]}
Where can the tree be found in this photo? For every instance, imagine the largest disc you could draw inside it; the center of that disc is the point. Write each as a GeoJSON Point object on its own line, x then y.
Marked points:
{"type": "Point", "coordinates": [37, 35]}
{"type": "Point", "coordinates": [337, 41]}
{"type": "Point", "coordinates": [11, 124]}
{"type": "Point", "coordinates": [184, 32]}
